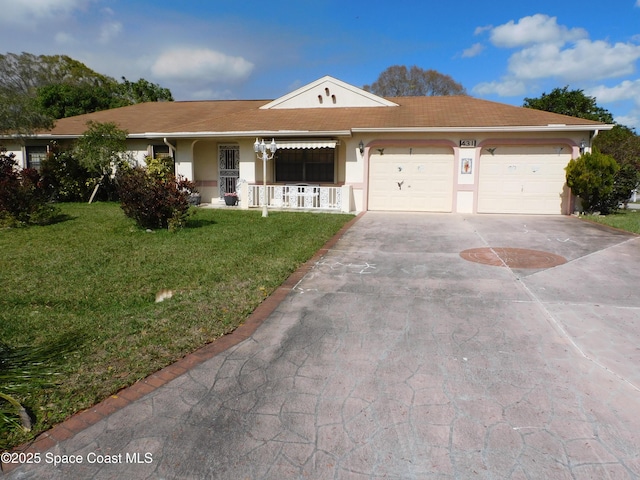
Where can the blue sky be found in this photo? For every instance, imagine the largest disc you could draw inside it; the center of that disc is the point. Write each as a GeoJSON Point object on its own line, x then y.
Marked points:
{"type": "Point", "coordinates": [500, 50]}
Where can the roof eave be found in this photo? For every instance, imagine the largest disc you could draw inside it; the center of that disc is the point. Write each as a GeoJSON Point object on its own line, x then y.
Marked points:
{"type": "Point", "coordinates": [348, 133]}
{"type": "Point", "coordinates": [253, 133]}
{"type": "Point", "coordinates": [504, 129]}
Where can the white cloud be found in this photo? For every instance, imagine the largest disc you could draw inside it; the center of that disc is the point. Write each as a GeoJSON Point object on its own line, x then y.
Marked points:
{"type": "Point", "coordinates": [109, 31]}
{"type": "Point", "coordinates": [627, 90]}
{"type": "Point", "coordinates": [486, 28]}
{"type": "Point", "coordinates": [200, 64]}
{"type": "Point", "coordinates": [25, 12]}
{"type": "Point", "coordinates": [624, 94]}
{"type": "Point", "coordinates": [583, 60]}
{"type": "Point", "coordinates": [505, 88]}
{"type": "Point", "coordinates": [637, 3]}
{"type": "Point", "coordinates": [473, 50]}
{"type": "Point", "coordinates": [632, 120]}
{"type": "Point", "coordinates": [547, 50]}
{"type": "Point", "coordinates": [537, 28]}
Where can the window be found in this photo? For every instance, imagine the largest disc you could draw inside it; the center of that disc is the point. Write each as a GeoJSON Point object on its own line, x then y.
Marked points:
{"type": "Point", "coordinates": [160, 151]}
{"type": "Point", "coordinates": [35, 157]}
{"type": "Point", "coordinates": [305, 165]}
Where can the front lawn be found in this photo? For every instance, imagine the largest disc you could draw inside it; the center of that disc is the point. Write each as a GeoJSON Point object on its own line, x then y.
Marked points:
{"type": "Point", "coordinates": [628, 220]}
{"type": "Point", "coordinates": [92, 280]}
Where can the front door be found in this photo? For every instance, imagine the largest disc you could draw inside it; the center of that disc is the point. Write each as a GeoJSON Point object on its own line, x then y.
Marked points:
{"type": "Point", "coordinates": [229, 165]}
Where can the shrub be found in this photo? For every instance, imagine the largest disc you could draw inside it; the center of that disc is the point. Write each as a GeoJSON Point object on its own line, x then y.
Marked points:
{"type": "Point", "coordinates": [152, 200]}
{"type": "Point", "coordinates": [625, 182]}
{"type": "Point", "coordinates": [592, 178]}
{"type": "Point", "coordinates": [160, 166]}
{"type": "Point", "coordinates": [24, 198]}
{"type": "Point", "coordinates": [67, 179]}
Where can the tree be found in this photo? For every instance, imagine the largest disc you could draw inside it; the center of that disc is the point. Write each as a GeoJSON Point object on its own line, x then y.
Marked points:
{"type": "Point", "coordinates": [621, 142]}
{"type": "Point", "coordinates": [25, 73]}
{"type": "Point", "coordinates": [570, 102]}
{"type": "Point", "coordinates": [592, 178]}
{"type": "Point", "coordinates": [20, 115]}
{"type": "Point", "coordinates": [143, 91]}
{"type": "Point", "coordinates": [624, 145]}
{"type": "Point", "coordinates": [100, 150]}
{"type": "Point", "coordinates": [58, 86]}
{"type": "Point", "coordinates": [397, 81]}
{"type": "Point", "coordinates": [61, 100]}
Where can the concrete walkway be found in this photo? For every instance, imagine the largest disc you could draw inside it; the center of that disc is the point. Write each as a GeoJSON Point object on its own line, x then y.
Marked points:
{"type": "Point", "coordinates": [393, 357]}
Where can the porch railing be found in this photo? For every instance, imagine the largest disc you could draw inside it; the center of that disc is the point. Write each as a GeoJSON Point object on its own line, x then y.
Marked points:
{"type": "Point", "coordinates": [303, 197]}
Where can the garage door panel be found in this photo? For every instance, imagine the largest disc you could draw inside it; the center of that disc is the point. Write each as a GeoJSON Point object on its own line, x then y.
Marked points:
{"type": "Point", "coordinates": [421, 180]}
{"type": "Point", "coordinates": [522, 179]}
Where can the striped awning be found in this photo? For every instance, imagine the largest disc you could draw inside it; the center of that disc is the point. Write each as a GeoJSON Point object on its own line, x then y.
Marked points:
{"type": "Point", "coordinates": [307, 144]}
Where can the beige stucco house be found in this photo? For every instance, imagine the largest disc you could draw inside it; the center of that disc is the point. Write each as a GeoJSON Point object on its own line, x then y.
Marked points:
{"type": "Point", "coordinates": [342, 148]}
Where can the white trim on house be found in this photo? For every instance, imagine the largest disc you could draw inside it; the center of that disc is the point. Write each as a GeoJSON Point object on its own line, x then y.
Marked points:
{"type": "Point", "coordinates": [548, 128]}
{"type": "Point", "coordinates": [328, 92]}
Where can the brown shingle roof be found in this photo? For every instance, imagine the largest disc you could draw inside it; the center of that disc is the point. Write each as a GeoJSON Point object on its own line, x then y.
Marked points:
{"type": "Point", "coordinates": [245, 116]}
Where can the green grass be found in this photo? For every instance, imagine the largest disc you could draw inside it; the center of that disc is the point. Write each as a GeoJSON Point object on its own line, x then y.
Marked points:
{"type": "Point", "coordinates": [93, 277]}
{"type": "Point", "coordinates": [628, 220]}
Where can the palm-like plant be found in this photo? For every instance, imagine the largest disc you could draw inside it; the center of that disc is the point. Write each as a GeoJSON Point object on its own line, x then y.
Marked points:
{"type": "Point", "coordinates": [22, 369]}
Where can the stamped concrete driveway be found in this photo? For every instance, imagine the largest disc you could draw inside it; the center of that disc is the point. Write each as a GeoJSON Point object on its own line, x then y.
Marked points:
{"type": "Point", "coordinates": [395, 357]}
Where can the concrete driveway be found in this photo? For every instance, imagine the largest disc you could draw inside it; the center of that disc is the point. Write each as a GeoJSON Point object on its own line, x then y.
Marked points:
{"type": "Point", "coordinates": [395, 357]}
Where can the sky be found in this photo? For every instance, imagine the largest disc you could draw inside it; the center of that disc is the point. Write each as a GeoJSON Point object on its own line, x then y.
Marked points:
{"type": "Point", "coordinates": [500, 50]}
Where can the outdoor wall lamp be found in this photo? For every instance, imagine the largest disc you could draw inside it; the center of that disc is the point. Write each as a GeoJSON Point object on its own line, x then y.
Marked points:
{"type": "Point", "coordinates": [261, 153]}
{"type": "Point", "coordinates": [361, 147]}
{"type": "Point", "coordinates": [583, 146]}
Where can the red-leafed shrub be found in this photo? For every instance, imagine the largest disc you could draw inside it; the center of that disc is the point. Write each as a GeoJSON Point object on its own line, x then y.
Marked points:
{"type": "Point", "coordinates": [153, 200]}
{"type": "Point", "coordinates": [24, 199]}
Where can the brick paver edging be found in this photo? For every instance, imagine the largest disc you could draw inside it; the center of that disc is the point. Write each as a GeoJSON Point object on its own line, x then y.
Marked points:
{"type": "Point", "coordinates": [81, 420]}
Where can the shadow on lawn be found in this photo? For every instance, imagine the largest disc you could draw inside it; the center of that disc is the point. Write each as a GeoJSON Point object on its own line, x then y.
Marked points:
{"type": "Point", "coordinates": [200, 222]}
{"type": "Point", "coordinates": [63, 217]}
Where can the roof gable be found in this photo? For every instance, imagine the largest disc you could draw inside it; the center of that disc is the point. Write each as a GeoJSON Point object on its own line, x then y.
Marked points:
{"type": "Point", "coordinates": [328, 92]}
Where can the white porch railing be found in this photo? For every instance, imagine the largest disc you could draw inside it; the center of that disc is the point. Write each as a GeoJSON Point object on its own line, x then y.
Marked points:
{"type": "Point", "coordinates": [303, 197]}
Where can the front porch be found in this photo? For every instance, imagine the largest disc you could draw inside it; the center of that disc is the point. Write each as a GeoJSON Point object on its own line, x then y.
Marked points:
{"type": "Point", "coordinates": [297, 197]}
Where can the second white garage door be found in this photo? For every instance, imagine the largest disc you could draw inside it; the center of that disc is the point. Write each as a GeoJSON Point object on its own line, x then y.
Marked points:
{"type": "Point", "coordinates": [411, 179]}
{"type": "Point", "coordinates": [522, 179]}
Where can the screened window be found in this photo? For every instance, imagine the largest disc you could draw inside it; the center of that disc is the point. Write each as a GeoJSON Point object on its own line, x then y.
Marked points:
{"type": "Point", "coordinates": [308, 165]}
{"type": "Point", "coordinates": [35, 157]}
{"type": "Point", "coordinates": [160, 151]}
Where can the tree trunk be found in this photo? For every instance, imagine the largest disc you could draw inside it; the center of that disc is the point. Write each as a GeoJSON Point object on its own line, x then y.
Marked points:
{"type": "Point", "coordinates": [95, 190]}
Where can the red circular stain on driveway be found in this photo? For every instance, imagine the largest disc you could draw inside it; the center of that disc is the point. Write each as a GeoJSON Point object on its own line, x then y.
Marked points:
{"type": "Point", "coordinates": [512, 257]}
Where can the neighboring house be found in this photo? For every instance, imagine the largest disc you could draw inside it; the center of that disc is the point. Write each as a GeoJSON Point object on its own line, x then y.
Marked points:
{"type": "Point", "coordinates": [355, 151]}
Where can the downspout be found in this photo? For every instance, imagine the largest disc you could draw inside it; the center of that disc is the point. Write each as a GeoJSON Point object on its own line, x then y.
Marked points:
{"type": "Point", "coordinates": [171, 147]}
{"type": "Point", "coordinates": [594, 134]}
{"type": "Point", "coordinates": [173, 151]}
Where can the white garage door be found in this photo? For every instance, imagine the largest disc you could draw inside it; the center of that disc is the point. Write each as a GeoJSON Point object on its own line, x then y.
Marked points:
{"type": "Point", "coordinates": [411, 179]}
{"type": "Point", "coordinates": [522, 179]}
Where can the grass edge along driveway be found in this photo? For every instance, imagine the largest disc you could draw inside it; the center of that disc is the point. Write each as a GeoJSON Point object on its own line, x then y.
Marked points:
{"type": "Point", "coordinates": [87, 285]}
